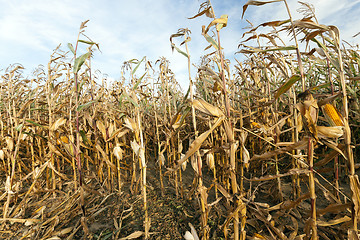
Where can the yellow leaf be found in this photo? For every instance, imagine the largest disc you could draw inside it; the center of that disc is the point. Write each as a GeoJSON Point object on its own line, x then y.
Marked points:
{"type": "Point", "coordinates": [196, 144]}
{"type": "Point", "coordinates": [118, 152]}
{"type": "Point", "coordinates": [100, 125]}
{"type": "Point", "coordinates": [57, 124]}
{"type": "Point", "coordinates": [134, 235]}
{"type": "Point", "coordinates": [330, 132]}
{"type": "Point", "coordinates": [220, 22]}
{"type": "Point", "coordinates": [207, 108]}
{"type": "Point", "coordinates": [333, 222]}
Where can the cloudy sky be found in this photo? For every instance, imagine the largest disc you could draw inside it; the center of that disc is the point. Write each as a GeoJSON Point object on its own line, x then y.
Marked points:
{"type": "Point", "coordinates": [32, 29]}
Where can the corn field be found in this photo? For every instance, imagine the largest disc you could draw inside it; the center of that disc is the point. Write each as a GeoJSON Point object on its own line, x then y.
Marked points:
{"type": "Point", "coordinates": [263, 148]}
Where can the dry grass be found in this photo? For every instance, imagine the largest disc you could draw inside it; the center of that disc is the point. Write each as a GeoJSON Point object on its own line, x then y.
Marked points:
{"type": "Point", "coordinates": [271, 145]}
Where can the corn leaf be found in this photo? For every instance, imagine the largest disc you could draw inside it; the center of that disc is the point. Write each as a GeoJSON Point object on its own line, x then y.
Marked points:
{"type": "Point", "coordinates": [196, 144]}
{"type": "Point", "coordinates": [85, 105]}
{"type": "Point", "coordinates": [287, 85]}
{"type": "Point", "coordinates": [137, 66]}
{"type": "Point", "coordinates": [179, 50]}
{"type": "Point", "coordinates": [211, 41]}
{"type": "Point", "coordinates": [256, 3]}
{"type": "Point", "coordinates": [80, 61]}
{"type": "Point", "coordinates": [70, 46]}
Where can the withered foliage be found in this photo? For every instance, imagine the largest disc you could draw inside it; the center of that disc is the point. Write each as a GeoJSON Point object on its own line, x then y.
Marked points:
{"type": "Point", "coordinates": [272, 143]}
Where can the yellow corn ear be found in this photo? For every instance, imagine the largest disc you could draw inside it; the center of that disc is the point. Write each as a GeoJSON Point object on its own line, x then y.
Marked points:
{"type": "Point", "coordinates": [332, 115]}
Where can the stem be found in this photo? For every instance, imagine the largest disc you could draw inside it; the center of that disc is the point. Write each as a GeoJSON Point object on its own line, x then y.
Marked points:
{"type": "Point", "coordinates": [301, 69]}
{"type": "Point", "coordinates": [231, 140]}
{"type": "Point", "coordinates": [354, 182]}
{"type": "Point", "coordinates": [77, 139]}
{"type": "Point", "coordinates": [204, 209]}
{"type": "Point", "coordinates": [312, 188]}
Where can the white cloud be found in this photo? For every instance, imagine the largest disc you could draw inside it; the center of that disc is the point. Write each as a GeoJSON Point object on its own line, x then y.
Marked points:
{"type": "Point", "coordinates": [137, 28]}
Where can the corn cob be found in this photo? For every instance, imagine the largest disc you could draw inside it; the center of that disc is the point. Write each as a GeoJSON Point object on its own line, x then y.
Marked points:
{"type": "Point", "coordinates": [332, 115]}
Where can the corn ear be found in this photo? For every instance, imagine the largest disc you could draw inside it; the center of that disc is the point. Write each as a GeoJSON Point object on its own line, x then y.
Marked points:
{"type": "Point", "coordinates": [332, 115]}
{"type": "Point", "coordinates": [210, 161]}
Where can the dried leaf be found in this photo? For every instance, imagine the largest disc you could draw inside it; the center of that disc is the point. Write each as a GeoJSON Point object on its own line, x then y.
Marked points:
{"type": "Point", "coordinates": [355, 190]}
{"type": "Point", "coordinates": [330, 132]}
{"type": "Point", "coordinates": [183, 165]}
{"type": "Point", "coordinates": [188, 236]}
{"type": "Point", "coordinates": [333, 222]}
{"type": "Point", "coordinates": [180, 147]}
{"type": "Point", "coordinates": [334, 146]}
{"type": "Point", "coordinates": [207, 108]}
{"type": "Point", "coordinates": [256, 3]}
{"type": "Point", "coordinates": [206, 11]}
{"type": "Point", "coordinates": [100, 125]}
{"type": "Point", "coordinates": [118, 133]}
{"type": "Point", "coordinates": [309, 24]}
{"type": "Point", "coordinates": [134, 235]}
{"type": "Point", "coordinates": [289, 173]}
{"type": "Point", "coordinates": [57, 124]}
{"type": "Point", "coordinates": [271, 49]}
{"type": "Point", "coordinates": [142, 158]}
{"type": "Point", "coordinates": [245, 156]}
{"type": "Point", "coordinates": [299, 145]}
{"type": "Point", "coordinates": [210, 160]}
{"type": "Point", "coordinates": [193, 232]}
{"type": "Point", "coordinates": [9, 142]}
{"type": "Point", "coordinates": [161, 159]}
{"type": "Point", "coordinates": [135, 147]}
{"type": "Point", "coordinates": [333, 208]}
{"type": "Point", "coordinates": [196, 144]}
{"type": "Point", "coordinates": [219, 22]}
{"type": "Point", "coordinates": [118, 153]}
{"type": "Point", "coordinates": [195, 162]}
{"type": "Point", "coordinates": [330, 156]}
{"type": "Point", "coordinates": [105, 157]}
{"type": "Point", "coordinates": [131, 124]}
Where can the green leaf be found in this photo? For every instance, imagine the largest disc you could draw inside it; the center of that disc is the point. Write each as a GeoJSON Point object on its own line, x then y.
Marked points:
{"type": "Point", "coordinates": [86, 105]}
{"type": "Point", "coordinates": [130, 99]}
{"type": "Point", "coordinates": [80, 61]}
{"type": "Point", "coordinates": [321, 86]}
{"type": "Point", "coordinates": [280, 49]}
{"type": "Point", "coordinates": [87, 42]}
{"type": "Point", "coordinates": [256, 50]}
{"type": "Point", "coordinates": [287, 85]}
{"type": "Point", "coordinates": [84, 138]}
{"type": "Point", "coordinates": [186, 95]}
{"type": "Point", "coordinates": [179, 50]}
{"type": "Point", "coordinates": [137, 66]}
{"type": "Point", "coordinates": [34, 123]}
{"type": "Point", "coordinates": [138, 82]}
{"type": "Point", "coordinates": [211, 41]}
{"type": "Point", "coordinates": [19, 127]}
{"type": "Point", "coordinates": [70, 46]}
{"type": "Point", "coordinates": [90, 43]}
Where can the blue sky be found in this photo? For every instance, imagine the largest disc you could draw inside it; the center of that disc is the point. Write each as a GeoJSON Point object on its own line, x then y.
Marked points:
{"type": "Point", "coordinates": [32, 29]}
